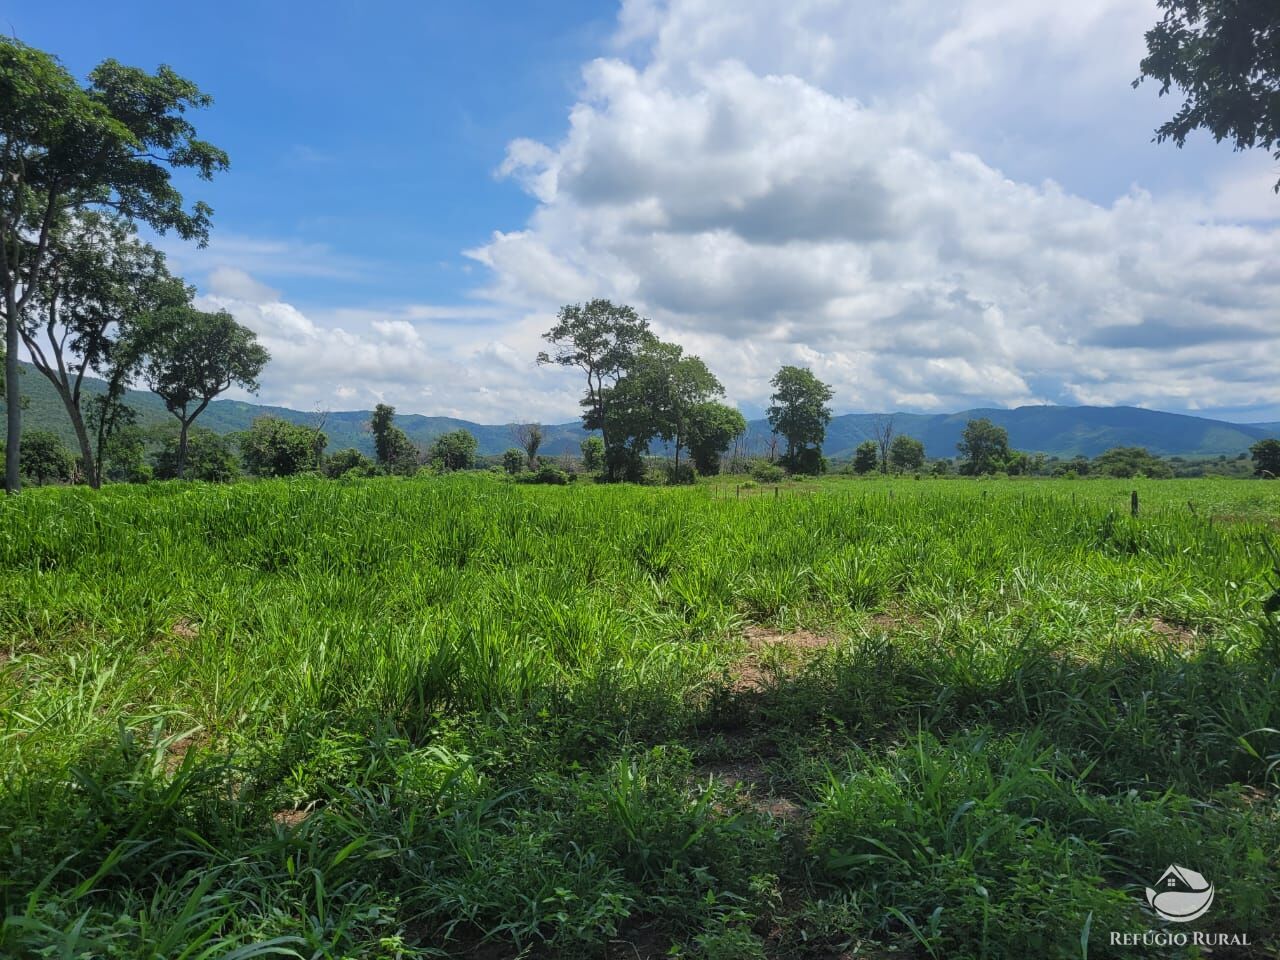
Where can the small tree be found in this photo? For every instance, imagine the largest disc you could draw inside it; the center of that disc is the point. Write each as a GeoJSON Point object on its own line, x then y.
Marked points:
{"type": "Point", "coordinates": [1266, 458]}
{"type": "Point", "coordinates": [273, 447]}
{"type": "Point", "coordinates": [45, 459]}
{"type": "Point", "coordinates": [984, 446]}
{"type": "Point", "coordinates": [882, 429]}
{"type": "Point", "coordinates": [207, 457]}
{"type": "Point", "coordinates": [394, 451]}
{"type": "Point", "coordinates": [593, 455]}
{"type": "Point", "coordinates": [513, 461]}
{"type": "Point", "coordinates": [98, 282]}
{"type": "Point", "coordinates": [865, 457]}
{"type": "Point", "coordinates": [528, 437]}
{"type": "Point", "coordinates": [800, 414]}
{"type": "Point", "coordinates": [712, 428]}
{"type": "Point", "coordinates": [455, 450]}
{"type": "Point", "coordinates": [906, 454]}
{"type": "Point", "coordinates": [192, 357]}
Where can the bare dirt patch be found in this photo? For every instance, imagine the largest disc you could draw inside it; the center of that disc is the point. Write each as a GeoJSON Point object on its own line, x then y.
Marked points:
{"type": "Point", "coordinates": [185, 629]}
{"type": "Point", "coordinates": [1178, 634]}
{"type": "Point", "coordinates": [290, 817]}
{"type": "Point", "coordinates": [765, 647]}
{"type": "Point", "coordinates": [751, 778]}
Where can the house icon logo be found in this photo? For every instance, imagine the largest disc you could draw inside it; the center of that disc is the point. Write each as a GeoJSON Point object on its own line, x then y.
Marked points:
{"type": "Point", "coordinates": [1181, 895]}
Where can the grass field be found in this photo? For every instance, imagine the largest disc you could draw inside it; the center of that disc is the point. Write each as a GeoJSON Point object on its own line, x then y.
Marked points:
{"type": "Point", "coordinates": [456, 716]}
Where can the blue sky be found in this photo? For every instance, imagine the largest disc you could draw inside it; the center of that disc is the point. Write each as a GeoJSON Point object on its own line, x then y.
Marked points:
{"type": "Point", "coordinates": [935, 205]}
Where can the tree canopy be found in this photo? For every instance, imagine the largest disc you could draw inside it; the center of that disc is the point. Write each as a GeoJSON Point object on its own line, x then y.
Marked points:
{"type": "Point", "coordinates": [1224, 57]}
{"type": "Point", "coordinates": [799, 412]}
{"type": "Point", "coordinates": [193, 356]}
{"type": "Point", "coordinates": [984, 447]}
{"type": "Point", "coordinates": [111, 144]}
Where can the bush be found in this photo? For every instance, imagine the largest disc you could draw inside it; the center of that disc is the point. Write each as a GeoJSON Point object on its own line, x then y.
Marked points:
{"type": "Point", "coordinates": [273, 447]}
{"type": "Point", "coordinates": [546, 474]}
{"type": "Point", "coordinates": [209, 458]}
{"type": "Point", "coordinates": [43, 459]}
{"type": "Point", "coordinates": [513, 461]}
{"type": "Point", "coordinates": [682, 474]}
{"type": "Point", "coordinates": [767, 472]}
{"type": "Point", "coordinates": [349, 463]}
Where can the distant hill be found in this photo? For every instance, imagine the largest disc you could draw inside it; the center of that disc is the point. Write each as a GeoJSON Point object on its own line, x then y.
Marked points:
{"type": "Point", "coordinates": [1056, 431]}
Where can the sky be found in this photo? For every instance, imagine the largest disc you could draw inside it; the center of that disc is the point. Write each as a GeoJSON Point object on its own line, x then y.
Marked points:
{"type": "Point", "coordinates": [934, 204]}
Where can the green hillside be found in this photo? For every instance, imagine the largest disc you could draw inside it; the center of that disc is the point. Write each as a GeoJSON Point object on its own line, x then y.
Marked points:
{"type": "Point", "coordinates": [1056, 431]}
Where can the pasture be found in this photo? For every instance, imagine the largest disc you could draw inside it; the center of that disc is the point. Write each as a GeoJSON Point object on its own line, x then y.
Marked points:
{"type": "Point", "coordinates": [459, 716]}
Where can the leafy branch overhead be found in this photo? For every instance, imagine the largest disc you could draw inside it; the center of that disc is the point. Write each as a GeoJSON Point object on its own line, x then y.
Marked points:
{"type": "Point", "coordinates": [1224, 58]}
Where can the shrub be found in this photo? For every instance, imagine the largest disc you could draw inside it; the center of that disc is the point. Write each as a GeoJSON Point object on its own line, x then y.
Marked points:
{"type": "Point", "coordinates": [43, 458]}
{"type": "Point", "coordinates": [767, 472]}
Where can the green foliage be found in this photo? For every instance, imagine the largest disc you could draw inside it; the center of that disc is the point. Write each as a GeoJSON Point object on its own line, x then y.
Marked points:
{"type": "Point", "coordinates": [712, 428]}
{"type": "Point", "coordinates": [66, 149]}
{"type": "Point", "coordinates": [45, 459]}
{"type": "Point", "coordinates": [193, 356]}
{"type": "Point", "coordinates": [394, 451]}
{"type": "Point", "coordinates": [1131, 462]}
{"type": "Point", "coordinates": [601, 339]}
{"type": "Point", "coordinates": [1223, 57]}
{"type": "Point", "coordinates": [799, 412]}
{"type": "Point", "coordinates": [766, 472]}
{"type": "Point", "coordinates": [593, 455]}
{"type": "Point", "coordinates": [451, 451]}
{"type": "Point", "coordinates": [209, 457]}
{"type": "Point", "coordinates": [1266, 458]}
{"type": "Point", "coordinates": [906, 454]}
{"type": "Point", "coordinates": [549, 474]}
{"type": "Point", "coordinates": [866, 457]}
{"type": "Point", "coordinates": [349, 463]}
{"type": "Point", "coordinates": [277, 448]}
{"type": "Point", "coordinates": [514, 460]}
{"type": "Point", "coordinates": [984, 447]}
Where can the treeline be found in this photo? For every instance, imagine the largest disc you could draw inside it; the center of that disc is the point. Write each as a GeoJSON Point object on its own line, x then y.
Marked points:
{"type": "Point", "coordinates": [82, 167]}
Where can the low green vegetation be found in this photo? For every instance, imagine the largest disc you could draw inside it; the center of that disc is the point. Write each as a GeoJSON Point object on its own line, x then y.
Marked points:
{"type": "Point", "coordinates": [456, 715]}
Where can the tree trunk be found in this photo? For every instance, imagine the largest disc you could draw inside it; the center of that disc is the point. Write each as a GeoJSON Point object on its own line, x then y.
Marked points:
{"type": "Point", "coordinates": [12, 395]}
{"type": "Point", "coordinates": [182, 448]}
{"type": "Point", "coordinates": [86, 449]}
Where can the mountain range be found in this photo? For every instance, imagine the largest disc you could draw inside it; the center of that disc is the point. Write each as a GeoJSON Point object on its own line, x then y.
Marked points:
{"type": "Point", "coordinates": [1053, 430]}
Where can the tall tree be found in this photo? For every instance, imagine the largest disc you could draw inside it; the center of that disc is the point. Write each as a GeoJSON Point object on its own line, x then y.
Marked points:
{"type": "Point", "coordinates": [98, 285]}
{"type": "Point", "coordinates": [392, 447]}
{"type": "Point", "coordinates": [600, 338]}
{"type": "Point", "coordinates": [192, 357]}
{"type": "Point", "coordinates": [984, 446]}
{"type": "Point", "coordinates": [882, 430]}
{"type": "Point", "coordinates": [1224, 56]}
{"type": "Point", "coordinates": [800, 413]}
{"type": "Point", "coordinates": [65, 147]}
{"type": "Point", "coordinates": [528, 437]}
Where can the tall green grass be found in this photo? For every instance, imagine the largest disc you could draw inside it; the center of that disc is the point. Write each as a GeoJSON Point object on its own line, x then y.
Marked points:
{"type": "Point", "coordinates": [429, 717]}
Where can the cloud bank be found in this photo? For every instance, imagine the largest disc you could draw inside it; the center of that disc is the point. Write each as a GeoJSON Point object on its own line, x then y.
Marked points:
{"type": "Point", "coordinates": [935, 206]}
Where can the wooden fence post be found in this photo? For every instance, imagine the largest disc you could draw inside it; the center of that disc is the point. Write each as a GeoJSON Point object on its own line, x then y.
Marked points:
{"type": "Point", "coordinates": [1133, 503]}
